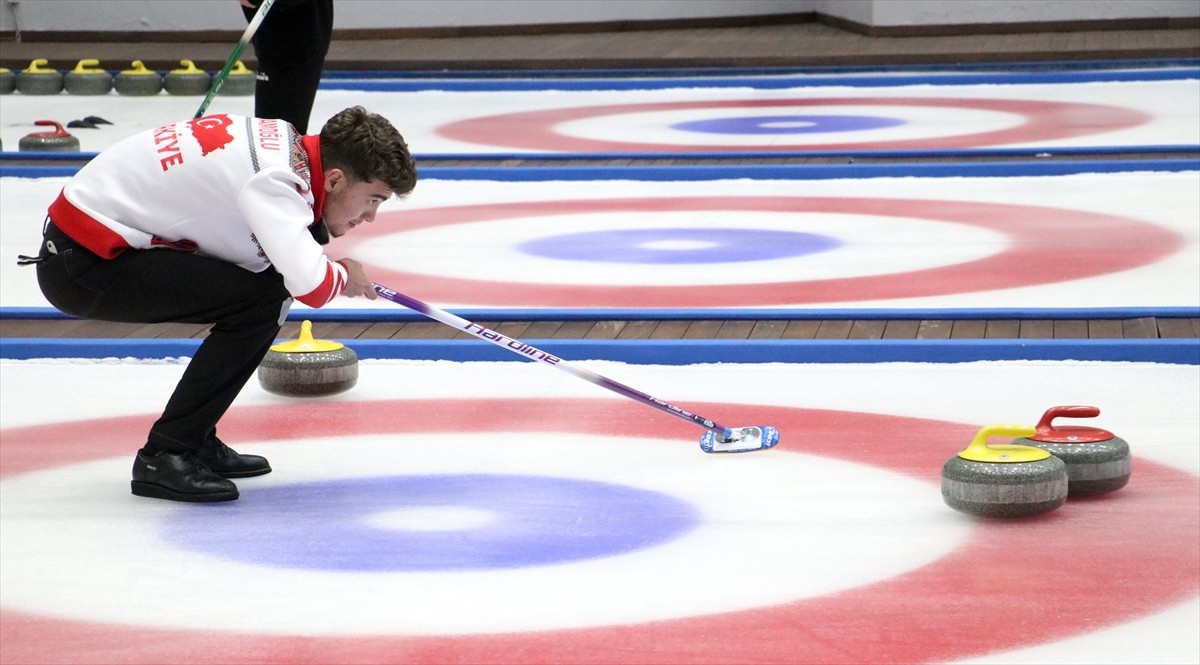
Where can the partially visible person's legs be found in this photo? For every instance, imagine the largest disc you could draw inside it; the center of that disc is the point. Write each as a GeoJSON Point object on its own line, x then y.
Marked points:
{"type": "Point", "coordinates": [161, 285]}
{"type": "Point", "coordinates": [291, 45]}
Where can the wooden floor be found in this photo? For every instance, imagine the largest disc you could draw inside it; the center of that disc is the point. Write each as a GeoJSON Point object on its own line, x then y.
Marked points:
{"type": "Point", "coordinates": [828, 329]}
{"type": "Point", "coordinates": [681, 49]}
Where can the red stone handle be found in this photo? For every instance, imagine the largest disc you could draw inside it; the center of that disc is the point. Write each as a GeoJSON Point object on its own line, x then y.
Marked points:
{"type": "Point", "coordinates": [58, 132]}
{"type": "Point", "coordinates": [1046, 431]}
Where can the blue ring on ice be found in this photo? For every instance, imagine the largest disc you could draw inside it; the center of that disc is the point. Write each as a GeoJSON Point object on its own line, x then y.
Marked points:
{"type": "Point", "coordinates": [788, 124]}
{"type": "Point", "coordinates": [678, 246]}
{"type": "Point", "coordinates": [349, 524]}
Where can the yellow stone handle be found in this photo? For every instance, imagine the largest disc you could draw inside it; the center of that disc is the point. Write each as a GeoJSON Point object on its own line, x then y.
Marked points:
{"type": "Point", "coordinates": [139, 68]}
{"type": "Point", "coordinates": [189, 67]}
{"type": "Point", "coordinates": [88, 66]}
{"type": "Point", "coordinates": [39, 67]}
{"type": "Point", "coordinates": [980, 451]}
{"type": "Point", "coordinates": [306, 343]}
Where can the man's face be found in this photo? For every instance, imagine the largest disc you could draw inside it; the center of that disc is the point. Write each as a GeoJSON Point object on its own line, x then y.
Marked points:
{"type": "Point", "coordinates": [349, 202]}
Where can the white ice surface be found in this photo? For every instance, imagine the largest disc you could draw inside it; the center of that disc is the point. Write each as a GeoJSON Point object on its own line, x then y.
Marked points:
{"type": "Point", "coordinates": [1151, 405]}
{"type": "Point", "coordinates": [484, 252]}
{"type": "Point", "coordinates": [1171, 107]}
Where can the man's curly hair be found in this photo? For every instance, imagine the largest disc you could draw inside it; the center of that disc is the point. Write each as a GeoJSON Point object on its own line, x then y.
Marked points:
{"type": "Point", "coordinates": [367, 147]}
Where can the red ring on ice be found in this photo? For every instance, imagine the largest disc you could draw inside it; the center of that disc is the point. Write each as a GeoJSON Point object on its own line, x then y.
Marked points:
{"type": "Point", "coordinates": [1044, 121]}
{"type": "Point", "coordinates": [1046, 245]}
{"type": "Point", "coordinates": [989, 595]}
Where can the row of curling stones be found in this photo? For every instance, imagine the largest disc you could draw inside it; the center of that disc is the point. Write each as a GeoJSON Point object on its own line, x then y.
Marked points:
{"type": "Point", "coordinates": [1037, 471]}
{"type": "Point", "coordinates": [307, 367]}
{"type": "Point", "coordinates": [89, 79]}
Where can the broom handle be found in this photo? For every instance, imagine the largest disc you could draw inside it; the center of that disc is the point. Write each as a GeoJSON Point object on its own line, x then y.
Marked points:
{"type": "Point", "coordinates": [528, 351]}
{"type": "Point", "coordinates": [233, 57]}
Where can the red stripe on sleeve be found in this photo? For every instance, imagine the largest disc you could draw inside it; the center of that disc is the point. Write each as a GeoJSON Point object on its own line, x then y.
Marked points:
{"type": "Point", "coordinates": [332, 286]}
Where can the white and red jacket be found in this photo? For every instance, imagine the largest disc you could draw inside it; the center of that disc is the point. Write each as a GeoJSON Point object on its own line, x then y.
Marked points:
{"type": "Point", "coordinates": [243, 190]}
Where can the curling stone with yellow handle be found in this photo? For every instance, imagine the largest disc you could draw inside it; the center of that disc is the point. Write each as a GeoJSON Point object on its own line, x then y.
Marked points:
{"type": "Point", "coordinates": [240, 81]}
{"type": "Point", "coordinates": [1097, 460]}
{"type": "Point", "coordinates": [138, 81]}
{"type": "Point", "coordinates": [187, 80]}
{"type": "Point", "coordinates": [1004, 480]}
{"type": "Point", "coordinates": [38, 79]}
{"type": "Point", "coordinates": [308, 367]}
{"type": "Point", "coordinates": [8, 81]}
{"type": "Point", "coordinates": [88, 79]}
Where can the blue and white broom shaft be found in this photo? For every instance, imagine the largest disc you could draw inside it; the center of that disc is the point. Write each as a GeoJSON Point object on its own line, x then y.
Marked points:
{"type": "Point", "coordinates": [247, 35]}
{"type": "Point", "coordinates": [527, 351]}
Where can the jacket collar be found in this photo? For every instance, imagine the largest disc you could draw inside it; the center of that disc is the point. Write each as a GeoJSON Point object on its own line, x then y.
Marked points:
{"type": "Point", "coordinates": [312, 145]}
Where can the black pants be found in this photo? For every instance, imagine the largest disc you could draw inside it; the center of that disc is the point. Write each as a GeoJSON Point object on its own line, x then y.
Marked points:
{"type": "Point", "coordinates": [291, 44]}
{"type": "Point", "coordinates": [161, 285]}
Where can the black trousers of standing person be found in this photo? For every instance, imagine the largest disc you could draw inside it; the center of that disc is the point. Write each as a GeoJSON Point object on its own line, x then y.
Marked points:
{"type": "Point", "coordinates": [246, 310]}
{"type": "Point", "coordinates": [290, 44]}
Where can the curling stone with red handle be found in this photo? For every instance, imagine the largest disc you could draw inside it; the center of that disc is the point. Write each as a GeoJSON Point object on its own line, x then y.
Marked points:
{"type": "Point", "coordinates": [1097, 460]}
{"type": "Point", "coordinates": [57, 140]}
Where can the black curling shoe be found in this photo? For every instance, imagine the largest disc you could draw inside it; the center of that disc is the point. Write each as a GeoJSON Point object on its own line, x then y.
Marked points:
{"type": "Point", "coordinates": [179, 477]}
{"type": "Point", "coordinates": [227, 462]}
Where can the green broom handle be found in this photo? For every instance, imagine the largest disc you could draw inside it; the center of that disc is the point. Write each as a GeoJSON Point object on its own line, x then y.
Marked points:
{"type": "Point", "coordinates": [233, 57]}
